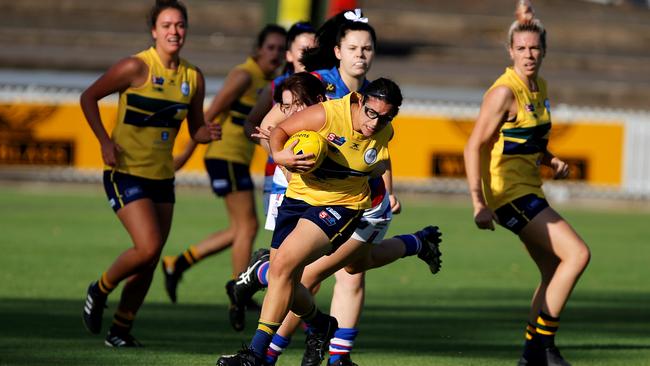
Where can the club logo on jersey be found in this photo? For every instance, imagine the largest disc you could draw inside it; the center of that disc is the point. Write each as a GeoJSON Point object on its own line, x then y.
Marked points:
{"type": "Point", "coordinates": [327, 219]}
{"type": "Point", "coordinates": [370, 156]}
{"type": "Point", "coordinates": [157, 80]}
{"type": "Point", "coordinates": [164, 135]}
{"type": "Point", "coordinates": [530, 107]}
{"type": "Point", "coordinates": [336, 140]}
{"type": "Point", "coordinates": [547, 104]}
{"type": "Point", "coordinates": [185, 88]}
{"type": "Point", "coordinates": [333, 212]}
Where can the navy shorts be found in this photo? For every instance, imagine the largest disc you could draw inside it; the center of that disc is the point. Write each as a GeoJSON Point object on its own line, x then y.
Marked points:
{"type": "Point", "coordinates": [516, 214]}
{"type": "Point", "coordinates": [226, 176]}
{"type": "Point", "coordinates": [337, 222]}
{"type": "Point", "coordinates": [122, 189]}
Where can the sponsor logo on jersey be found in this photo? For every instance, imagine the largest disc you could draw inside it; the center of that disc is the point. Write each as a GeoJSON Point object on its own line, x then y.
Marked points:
{"type": "Point", "coordinates": [530, 107]}
{"type": "Point", "coordinates": [370, 156]}
{"type": "Point", "coordinates": [327, 219]}
{"type": "Point", "coordinates": [164, 135]}
{"type": "Point", "coordinates": [157, 80]}
{"type": "Point", "coordinates": [547, 104]}
{"type": "Point", "coordinates": [112, 202]}
{"type": "Point", "coordinates": [336, 140]}
{"type": "Point", "coordinates": [185, 88]}
{"type": "Point", "coordinates": [354, 146]}
{"type": "Point", "coordinates": [333, 212]}
{"type": "Point", "coordinates": [330, 88]}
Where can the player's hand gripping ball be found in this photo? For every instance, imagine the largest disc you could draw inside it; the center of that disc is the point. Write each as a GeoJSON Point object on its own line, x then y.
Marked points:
{"type": "Point", "coordinates": [309, 142]}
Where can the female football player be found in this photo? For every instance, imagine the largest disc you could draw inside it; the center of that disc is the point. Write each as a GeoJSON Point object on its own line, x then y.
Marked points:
{"type": "Point", "coordinates": [314, 220]}
{"type": "Point", "coordinates": [157, 91]}
{"type": "Point", "coordinates": [228, 161]}
{"type": "Point", "coordinates": [502, 159]}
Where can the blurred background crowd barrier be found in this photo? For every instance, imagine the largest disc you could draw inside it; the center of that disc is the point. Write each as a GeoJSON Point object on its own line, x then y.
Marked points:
{"type": "Point", "coordinates": [444, 54]}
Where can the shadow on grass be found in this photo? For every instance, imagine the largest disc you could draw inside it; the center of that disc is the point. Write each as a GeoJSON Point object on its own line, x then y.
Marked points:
{"type": "Point", "coordinates": [479, 325]}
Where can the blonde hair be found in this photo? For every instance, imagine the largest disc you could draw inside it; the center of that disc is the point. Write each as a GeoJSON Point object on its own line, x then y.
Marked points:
{"type": "Point", "coordinates": [526, 22]}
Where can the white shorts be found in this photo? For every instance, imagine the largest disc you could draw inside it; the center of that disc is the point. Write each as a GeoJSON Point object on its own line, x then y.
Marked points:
{"type": "Point", "coordinates": [374, 223]}
{"type": "Point", "coordinates": [273, 198]}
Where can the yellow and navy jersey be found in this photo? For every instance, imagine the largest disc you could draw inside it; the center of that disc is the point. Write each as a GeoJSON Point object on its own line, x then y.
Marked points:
{"type": "Point", "coordinates": [234, 146]}
{"type": "Point", "coordinates": [520, 145]}
{"type": "Point", "coordinates": [342, 178]}
{"type": "Point", "coordinates": [149, 117]}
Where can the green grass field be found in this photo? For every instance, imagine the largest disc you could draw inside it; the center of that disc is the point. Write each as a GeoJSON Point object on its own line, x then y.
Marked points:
{"type": "Point", "coordinates": [56, 239]}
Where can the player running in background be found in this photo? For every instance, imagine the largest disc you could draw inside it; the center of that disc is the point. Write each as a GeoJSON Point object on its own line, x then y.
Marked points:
{"type": "Point", "coordinates": [300, 36]}
{"type": "Point", "coordinates": [502, 159]}
{"type": "Point", "coordinates": [228, 161]}
{"type": "Point", "coordinates": [157, 91]}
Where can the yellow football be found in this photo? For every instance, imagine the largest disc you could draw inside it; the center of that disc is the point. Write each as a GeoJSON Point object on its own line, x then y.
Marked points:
{"type": "Point", "coordinates": [309, 142]}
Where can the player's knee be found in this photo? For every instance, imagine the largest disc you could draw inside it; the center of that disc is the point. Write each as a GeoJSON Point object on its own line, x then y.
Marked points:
{"type": "Point", "coordinates": [349, 283]}
{"type": "Point", "coordinates": [282, 268]}
{"type": "Point", "coordinates": [581, 257]}
{"type": "Point", "coordinates": [252, 225]}
{"type": "Point", "coordinates": [148, 255]}
{"type": "Point", "coordinates": [247, 227]}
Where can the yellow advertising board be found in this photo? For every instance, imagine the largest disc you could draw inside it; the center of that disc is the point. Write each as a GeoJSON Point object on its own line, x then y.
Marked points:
{"type": "Point", "coordinates": [426, 146]}
{"type": "Point", "coordinates": [423, 146]}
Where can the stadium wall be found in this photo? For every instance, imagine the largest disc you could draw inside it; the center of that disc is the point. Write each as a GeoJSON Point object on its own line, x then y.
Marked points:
{"type": "Point", "coordinates": [606, 149]}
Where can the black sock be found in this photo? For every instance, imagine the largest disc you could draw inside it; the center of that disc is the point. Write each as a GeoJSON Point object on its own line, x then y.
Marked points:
{"type": "Point", "coordinates": [546, 327]}
{"type": "Point", "coordinates": [122, 322]}
{"type": "Point", "coordinates": [185, 260]}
